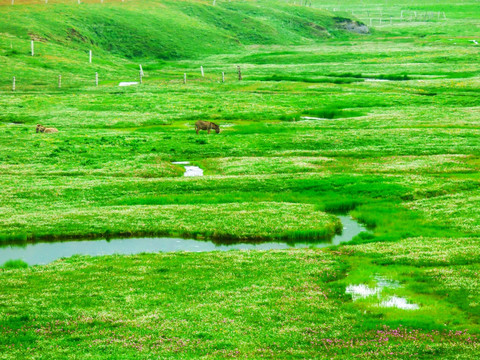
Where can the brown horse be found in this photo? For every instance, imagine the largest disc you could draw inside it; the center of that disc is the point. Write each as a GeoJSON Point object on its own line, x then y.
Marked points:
{"type": "Point", "coordinates": [45, 130]}
{"type": "Point", "coordinates": [206, 125]}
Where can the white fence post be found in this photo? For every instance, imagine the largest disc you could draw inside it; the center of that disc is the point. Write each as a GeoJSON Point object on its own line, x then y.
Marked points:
{"type": "Point", "coordinates": [59, 81]}
{"type": "Point", "coordinates": [90, 56]}
{"type": "Point", "coordinates": [13, 84]}
{"type": "Point", "coordinates": [201, 69]}
{"type": "Point", "coordinates": [223, 76]}
{"type": "Point", "coordinates": [32, 48]}
{"type": "Point", "coordinates": [184, 78]}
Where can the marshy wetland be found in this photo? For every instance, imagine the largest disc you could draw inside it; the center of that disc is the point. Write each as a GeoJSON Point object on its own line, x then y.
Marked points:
{"type": "Point", "coordinates": [382, 126]}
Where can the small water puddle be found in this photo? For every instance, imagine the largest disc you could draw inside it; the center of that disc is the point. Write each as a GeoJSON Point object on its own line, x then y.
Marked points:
{"type": "Point", "coordinates": [312, 118]}
{"type": "Point", "coordinates": [128, 83]}
{"type": "Point", "coordinates": [399, 303]}
{"type": "Point", "coordinates": [363, 291]}
{"type": "Point", "coordinates": [44, 253]}
{"type": "Point", "coordinates": [190, 170]}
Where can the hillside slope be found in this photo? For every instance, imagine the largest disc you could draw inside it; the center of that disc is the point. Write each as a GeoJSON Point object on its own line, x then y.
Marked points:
{"type": "Point", "coordinates": [165, 29]}
{"type": "Point", "coordinates": [121, 33]}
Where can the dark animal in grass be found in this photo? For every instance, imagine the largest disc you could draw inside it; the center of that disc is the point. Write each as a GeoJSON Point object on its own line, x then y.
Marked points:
{"type": "Point", "coordinates": [43, 129]}
{"type": "Point", "coordinates": [206, 125]}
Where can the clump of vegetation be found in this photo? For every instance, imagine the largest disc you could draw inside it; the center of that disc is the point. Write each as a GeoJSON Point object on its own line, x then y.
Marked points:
{"type": "Point", "coordinates": [341, 206]}
{"type": "Point", "coordinates": [15, 264]}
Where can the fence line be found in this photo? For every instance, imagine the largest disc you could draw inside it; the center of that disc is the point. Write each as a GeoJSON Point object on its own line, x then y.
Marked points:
{"type": "Point", "coordinates": [76, 83]}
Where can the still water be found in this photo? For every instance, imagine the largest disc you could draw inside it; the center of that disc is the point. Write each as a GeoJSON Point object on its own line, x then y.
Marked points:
{"type": "Point", "coordinates": [44, 253]}
{"type": "Point", "coordinates": [190, 170]}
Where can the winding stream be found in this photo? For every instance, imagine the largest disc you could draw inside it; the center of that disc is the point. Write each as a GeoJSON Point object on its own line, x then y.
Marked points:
{"type": "Point", "coordinates": [44, 253]}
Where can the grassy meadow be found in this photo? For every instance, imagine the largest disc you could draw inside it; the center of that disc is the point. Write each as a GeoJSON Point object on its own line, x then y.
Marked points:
{"type": "Point", "coordinates": [383, 125]}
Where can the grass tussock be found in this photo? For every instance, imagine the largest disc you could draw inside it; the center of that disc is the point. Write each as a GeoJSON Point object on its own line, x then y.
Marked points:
{"type": "Point", "coordinates": [15, 264]}
{"type": "Point", "coordinates": [339, 206]}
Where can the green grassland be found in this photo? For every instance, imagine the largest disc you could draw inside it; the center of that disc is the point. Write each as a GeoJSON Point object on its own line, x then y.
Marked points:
{"type": "Point", "coordinates": [393, 138]}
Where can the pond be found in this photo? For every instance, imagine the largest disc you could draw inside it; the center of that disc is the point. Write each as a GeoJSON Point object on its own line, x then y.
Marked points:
{"type": "Point", "coordinates": [46, 252]}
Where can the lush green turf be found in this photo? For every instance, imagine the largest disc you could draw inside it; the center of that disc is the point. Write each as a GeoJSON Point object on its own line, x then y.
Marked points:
{"type": "Point", "coordinates": [393, 137]}
{"type": "Point", "coordinates": [277, 304]}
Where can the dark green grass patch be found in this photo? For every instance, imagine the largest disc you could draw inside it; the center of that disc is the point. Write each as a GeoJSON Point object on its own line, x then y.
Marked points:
{"type": "Point", "coordinates": [319, 80]}
{"type": "Point", "coordinates": [15, 264]}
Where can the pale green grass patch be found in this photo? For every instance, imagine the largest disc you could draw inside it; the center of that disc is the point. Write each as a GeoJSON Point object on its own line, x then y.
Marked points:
{"type": "Point", "coordinates": [457, 210]}
{"type": "Point", "coordinates": [246, 221]}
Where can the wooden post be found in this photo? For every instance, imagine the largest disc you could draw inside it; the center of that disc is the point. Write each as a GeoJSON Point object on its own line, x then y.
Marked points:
{"type": "Point", "coordinates": [239, 73]}
{"type": "Point", "coordinates": [201, 70]}
{"type": "Point", "coordinates": [141, 70]}
{"type": "Point", "coordinates": [90, 56]}
{"type": "Point", "coordinates": [96, 79]}
{"type": "Point", "coordinates": [13, 84]}
{"type": "Point", "coordinates": [141, 77]}
{"type": "Point", "coordinates": [223, 77]}
{"type": "Point", "coordinates": [13, 2]}
{"type": "Point", "coordinates": [59, 81]}
{"type": "Point", "coordinates": [184, 78]}
{"type": "Point", "coordinates": [32, 48]}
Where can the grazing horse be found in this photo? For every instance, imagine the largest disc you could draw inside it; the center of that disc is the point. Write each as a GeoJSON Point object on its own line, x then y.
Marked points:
{"type": "Point", "coordinates": [206, 125]}
{"type": "Point", "coordinates": [45, 130]}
